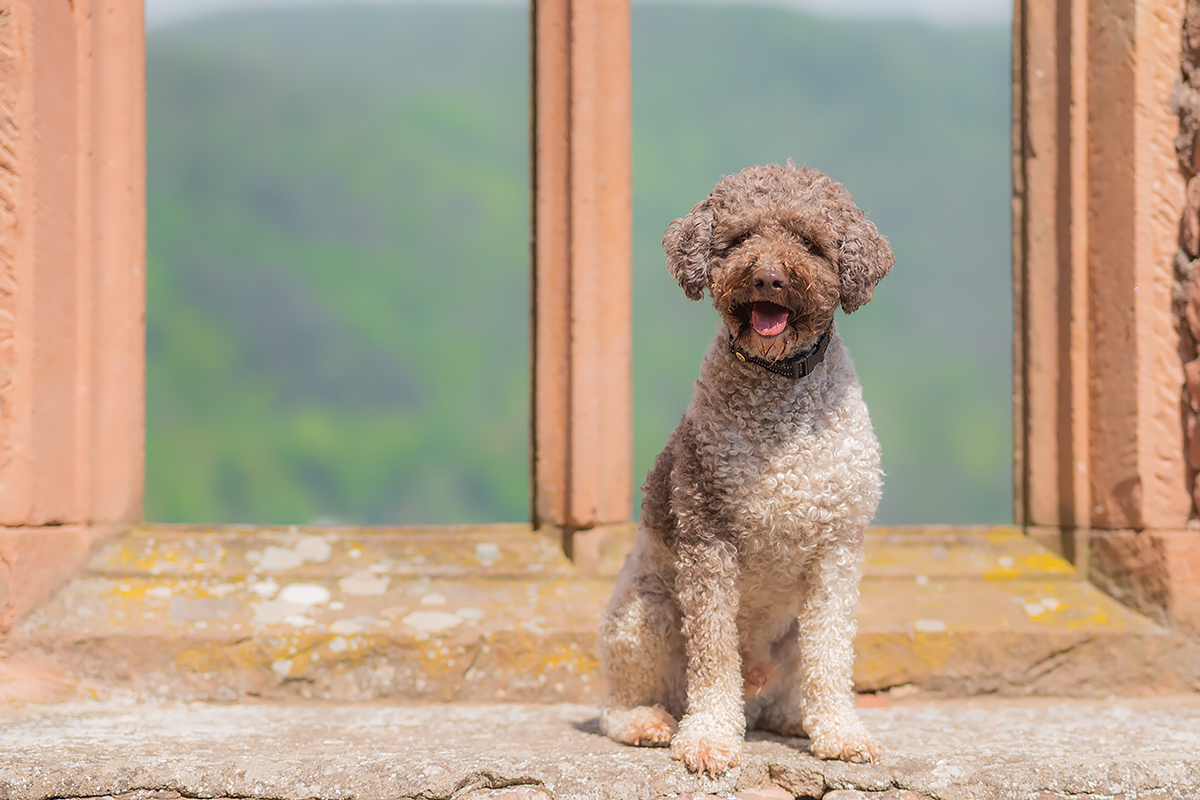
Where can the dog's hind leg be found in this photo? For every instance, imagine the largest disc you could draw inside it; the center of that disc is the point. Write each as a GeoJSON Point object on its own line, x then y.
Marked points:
{"type": "Point", "coordinates": [642, 655]}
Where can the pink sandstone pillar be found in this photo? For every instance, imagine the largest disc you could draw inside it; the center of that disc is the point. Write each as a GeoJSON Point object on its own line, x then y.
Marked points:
{"type": "Point", "coordinates": [72, 257]}
{"type": "Point", "coordinates": [1098, 196]}
{"type": "Point", "coordinates": [582, 215]}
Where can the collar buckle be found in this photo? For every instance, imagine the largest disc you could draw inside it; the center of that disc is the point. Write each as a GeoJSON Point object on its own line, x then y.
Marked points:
{"type": "Point", "coordinates": [795, 367]}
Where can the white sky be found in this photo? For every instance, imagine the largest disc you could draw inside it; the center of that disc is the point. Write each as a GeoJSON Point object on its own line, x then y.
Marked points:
{"type": "Point", "coordinates": [939, 12]}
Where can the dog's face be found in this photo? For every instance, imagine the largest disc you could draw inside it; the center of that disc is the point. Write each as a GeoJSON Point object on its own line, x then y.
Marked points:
{"type": "Point", "coordinates": [774, 280]}
{"type": "Point", "coordinates": [779, 248]}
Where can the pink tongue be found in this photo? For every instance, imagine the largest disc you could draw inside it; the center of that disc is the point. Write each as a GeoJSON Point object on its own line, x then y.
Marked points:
{"type": "Point", "coordinates": [768, 319]}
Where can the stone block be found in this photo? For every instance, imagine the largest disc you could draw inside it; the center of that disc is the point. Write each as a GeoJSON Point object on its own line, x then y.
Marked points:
{"type": "Point", "coordinates": [34, 563]}
{"type": "Point", "coordinates": [1155, 572]}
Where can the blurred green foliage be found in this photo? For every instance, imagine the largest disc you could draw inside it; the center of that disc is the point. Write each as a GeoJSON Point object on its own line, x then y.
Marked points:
{"type": "Point", "coordinates": [338, 249]}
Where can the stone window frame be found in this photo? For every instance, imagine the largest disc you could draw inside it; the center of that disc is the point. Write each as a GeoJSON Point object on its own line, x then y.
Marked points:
{"type": "Point", "coordinates": [72, 279]}
{"type": "Point", "coordinates": [1104, 126]}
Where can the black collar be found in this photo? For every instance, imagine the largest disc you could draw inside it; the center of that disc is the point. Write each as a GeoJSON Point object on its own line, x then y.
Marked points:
{"type": "Point", "coordinates": [795, 366]}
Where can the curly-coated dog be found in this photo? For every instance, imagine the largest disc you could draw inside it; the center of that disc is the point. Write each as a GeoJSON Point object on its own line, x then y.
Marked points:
{"type": "Point", "coordinates": [735, 606]}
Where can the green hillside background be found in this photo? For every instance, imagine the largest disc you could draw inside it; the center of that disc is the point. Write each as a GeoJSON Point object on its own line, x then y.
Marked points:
{"type": "Point", "coordinates": [338, 249]}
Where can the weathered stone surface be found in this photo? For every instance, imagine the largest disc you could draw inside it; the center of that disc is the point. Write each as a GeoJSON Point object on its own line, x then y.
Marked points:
{"type": "Point", "coordinates": [944, 751]}
{"type": "Point", "coordinates": [767, 791]}
{"type": "Point", "coordinates": [497, 613]}
{"type": "Point", "coordinates": [1191, 218]}
{"type": "Point", "coordinates": [35, 562]}
{"type": "Point", "coordinates": [1191, 375]}
{"type": "Point", "coordinates": [508, 793]}
{"type": "Point", "coordinates": [802, 779]}
{"type": "Point", "coordinates": [1156, 572]}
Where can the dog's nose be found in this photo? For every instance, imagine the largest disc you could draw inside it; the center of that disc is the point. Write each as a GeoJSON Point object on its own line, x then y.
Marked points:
{"type": "Point", "coordinates": [769, 279]}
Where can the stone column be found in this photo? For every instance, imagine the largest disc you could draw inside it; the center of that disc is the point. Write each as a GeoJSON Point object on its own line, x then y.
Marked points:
{"type": "Point", "coordinates": [1098, 197]}
{"type": "Point", "coordinates": [72, 256]}
{"type": "Point", "coordinates": [582, 217]}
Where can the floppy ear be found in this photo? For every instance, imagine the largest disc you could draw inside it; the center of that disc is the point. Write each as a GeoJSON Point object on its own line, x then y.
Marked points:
{"type": "Point", "coordinates": [688, 245]}
{"type": "Point", "coordinates": [864, 257]}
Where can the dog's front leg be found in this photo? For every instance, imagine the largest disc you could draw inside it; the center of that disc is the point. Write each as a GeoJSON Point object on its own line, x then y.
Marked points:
{"type": "Point", "coordinates": [706, 585]}
{"type": "Point", "coordinates": [827, 630]}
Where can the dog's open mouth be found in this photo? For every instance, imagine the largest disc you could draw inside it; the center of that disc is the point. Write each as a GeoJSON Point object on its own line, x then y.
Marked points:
{"type": "Point", "coordinates": [768, 319]}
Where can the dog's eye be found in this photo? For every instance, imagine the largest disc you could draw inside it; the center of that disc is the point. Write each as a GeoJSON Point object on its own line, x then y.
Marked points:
{"type": "Point", "coordinates": [730, 242]}
{"type": "Point", "coordinates": [812, 245]}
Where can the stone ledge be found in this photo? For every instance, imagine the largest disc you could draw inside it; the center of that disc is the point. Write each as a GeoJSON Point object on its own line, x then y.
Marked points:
{"type": "Point", "coordinates": [945, 751]}
{"type": "Point", "coordinates": [479, 613]}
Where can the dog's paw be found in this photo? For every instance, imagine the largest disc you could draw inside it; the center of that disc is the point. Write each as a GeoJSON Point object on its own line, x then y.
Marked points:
{"type": "Point", "coordinates": [645, 726]}
{"type": "Point", "coordinates": [706, 753]}
{"type": "Point", "coordinates": [846, 745]}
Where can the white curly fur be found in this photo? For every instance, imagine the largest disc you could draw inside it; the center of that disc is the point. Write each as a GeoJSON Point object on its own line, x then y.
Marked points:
{"type": "Point", "coordinates": [735, 606]}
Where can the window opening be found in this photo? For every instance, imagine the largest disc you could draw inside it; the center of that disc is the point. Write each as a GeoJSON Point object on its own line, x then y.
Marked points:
{"type": "Point", "coordinates": [338, 266]}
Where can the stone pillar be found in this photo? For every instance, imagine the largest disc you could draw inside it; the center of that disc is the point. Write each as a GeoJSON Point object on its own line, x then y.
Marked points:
{"type": "Point", "coordinates": [582, 218]}
{"type": "Point", "coordinates": [72, 256]}
{"type": "Point", "coordinates": [1098, 197]}
{"type": "Point", "coordinates": [1050, 276]}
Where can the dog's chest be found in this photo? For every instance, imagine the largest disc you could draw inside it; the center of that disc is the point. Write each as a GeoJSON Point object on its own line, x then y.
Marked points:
{"type": "Point", "coordinates": [793, 467]}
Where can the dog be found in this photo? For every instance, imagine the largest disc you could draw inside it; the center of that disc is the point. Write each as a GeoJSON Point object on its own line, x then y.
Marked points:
{"type": "Point", "coordinates": [734, 608]}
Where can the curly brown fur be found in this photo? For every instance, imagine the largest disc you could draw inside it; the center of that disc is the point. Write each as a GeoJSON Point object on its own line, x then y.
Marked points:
{"type": "Point", "coordinates": [783, 235]}
{"type": "Point", "coordinates": [735, 606]}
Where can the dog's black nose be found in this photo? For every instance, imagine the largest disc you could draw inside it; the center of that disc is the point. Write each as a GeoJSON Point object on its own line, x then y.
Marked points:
{"type": "Point", "coordinates": [769, 279]}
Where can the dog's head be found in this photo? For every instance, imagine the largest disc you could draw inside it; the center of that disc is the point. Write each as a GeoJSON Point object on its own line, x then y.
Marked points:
{"type": "Point", "coordinates": [778, 247]}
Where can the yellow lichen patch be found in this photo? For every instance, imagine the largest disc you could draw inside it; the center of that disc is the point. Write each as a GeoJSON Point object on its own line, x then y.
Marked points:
{"type": "Point", "coordinates": [136, 590]}
{"type": "Point", "coordinates": [1045, 561]}
{"type": "Point", "coordinates": [1021, 565]}
{"type": "Point", "coordinates": [1096, 619]}
{"type": "Point", "coordinates": [152, 558]}
{"type": "Point", "coordinates": [439, 661]}
{"type": "Point", "coordinates": [158, 555]}
{"type": "Point", "coordinates": [1001, 573]}
{"type": "Point", "coordinates": [569, 656]}
{"type": "Point", "coordinates": [234, 659]}
{"type": "Point", "coordinates": [137, 599]}
{"type": "Point", "coordinates": [1001, 536]}
{"type": "Point", "coordinates": [883, 659]}
{"type": "Point", "coordinates": [878, 557]}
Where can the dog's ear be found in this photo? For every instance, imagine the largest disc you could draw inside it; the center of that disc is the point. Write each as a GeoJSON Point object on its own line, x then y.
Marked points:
{"type": "Point", "coordinates": [688, 245]}
{"type": "Point", "coordinates": [864, 257]}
